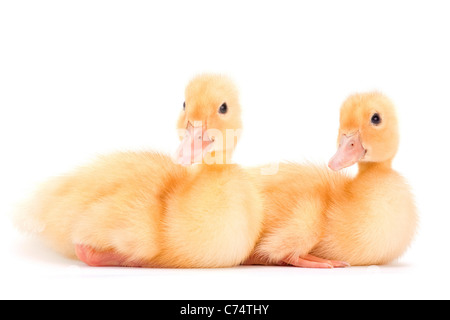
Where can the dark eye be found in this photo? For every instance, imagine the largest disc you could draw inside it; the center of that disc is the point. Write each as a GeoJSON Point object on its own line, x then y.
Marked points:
{"type": "Point", "coordinates": [184, 105]}
{"type": "Point", "coordinates": [223, 108]}
{"type": "Point", "coordinates": [376, 119]}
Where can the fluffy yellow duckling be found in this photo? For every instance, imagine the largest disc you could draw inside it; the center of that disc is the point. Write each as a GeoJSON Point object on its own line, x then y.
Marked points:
{"type": "Point", "coordinates": [142, 209]}
{"type": "Point", "coordinates": [214, 217]}
{"type": "Point", "coordinates": [319, 219]}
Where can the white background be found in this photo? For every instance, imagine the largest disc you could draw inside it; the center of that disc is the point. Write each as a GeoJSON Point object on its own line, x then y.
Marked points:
{"type": "Point", "coordinates": [80, 78]}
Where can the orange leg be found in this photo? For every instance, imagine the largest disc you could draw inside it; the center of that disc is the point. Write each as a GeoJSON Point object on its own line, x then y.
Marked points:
{"type": "Point", "coordinates": [310, 261]}
{"type": "Point", "coordinates": [96, 258]}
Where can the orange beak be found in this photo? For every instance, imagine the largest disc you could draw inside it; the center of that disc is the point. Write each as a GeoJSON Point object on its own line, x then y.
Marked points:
{"type": "Point", "coordinates": [194, 145]}
{"type": "Point", "coordinates": [349, 152]}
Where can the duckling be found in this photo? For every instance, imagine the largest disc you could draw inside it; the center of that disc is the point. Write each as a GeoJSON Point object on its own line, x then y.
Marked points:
{"type": "Point", "coordinates": [322, 219]}
{"type": "Point", "coordinates": [215, 216]}
{"type": "Point", "coordinates": [144, 210]}
{"type": "Point", "coordinates": [374, 220]}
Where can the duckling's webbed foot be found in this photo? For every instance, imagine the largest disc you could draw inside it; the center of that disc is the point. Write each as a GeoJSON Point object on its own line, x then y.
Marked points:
{"type": "Point", "coordinates": [310, 261]}
{"type": "Point", "coordinates": [95, 258]}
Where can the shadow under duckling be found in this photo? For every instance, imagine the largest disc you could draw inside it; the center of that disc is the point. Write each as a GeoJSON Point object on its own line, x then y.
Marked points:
{"type": "Point", "coordinates": [144, 210]}
{"type": "Point", "coordinates": [317, 218]}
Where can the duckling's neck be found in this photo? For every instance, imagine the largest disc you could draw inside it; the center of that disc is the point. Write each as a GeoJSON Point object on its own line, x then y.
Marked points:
{"type": "Point", "coordinates": [365, 167]}
{"type": "Point", "coordinates": [217, 158]}
{"type": "Point", "coordinates": [212, 170]}
{"type": "Point", "coordinates": [215, 162]}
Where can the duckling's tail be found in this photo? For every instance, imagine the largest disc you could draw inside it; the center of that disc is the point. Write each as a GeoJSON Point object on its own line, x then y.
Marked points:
{"type": "Point", "coordinates": [27, 214]}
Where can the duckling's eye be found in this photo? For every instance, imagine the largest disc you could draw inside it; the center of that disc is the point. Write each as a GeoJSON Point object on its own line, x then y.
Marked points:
{"type": "Point", "coordinates": [223, 108]}
{"type": "Point", "coordinates": [184, 105]}
{"type": "Point", "coordinates": [376, 119]}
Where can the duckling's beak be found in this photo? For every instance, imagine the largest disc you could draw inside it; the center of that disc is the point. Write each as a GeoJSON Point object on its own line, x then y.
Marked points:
{"type": "Point", "coordinates": [349, 152]}
{"type": "Point", "coordinates": [194, 145]}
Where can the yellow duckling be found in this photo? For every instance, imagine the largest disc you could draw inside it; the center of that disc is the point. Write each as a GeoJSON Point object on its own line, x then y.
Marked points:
{"type": "Point", "coordinates": [142, 209]}
{"type": "Point", "coordinates": [319, 219]}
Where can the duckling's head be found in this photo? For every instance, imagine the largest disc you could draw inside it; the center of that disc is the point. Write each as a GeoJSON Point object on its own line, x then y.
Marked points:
{"type": "Point", "coordinates": [368, 131]}
{"type": "Point", "coordinates": [210, 122]}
